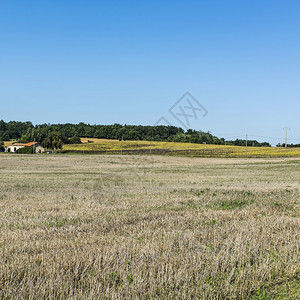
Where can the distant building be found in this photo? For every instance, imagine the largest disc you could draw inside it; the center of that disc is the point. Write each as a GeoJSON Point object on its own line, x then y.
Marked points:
{"type": "Point", "coordinates": [39, 149]}
{"type": "Point", "coordinates": [16, 146]}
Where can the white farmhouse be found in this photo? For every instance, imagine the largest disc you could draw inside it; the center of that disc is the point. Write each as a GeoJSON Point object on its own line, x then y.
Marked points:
{"type": "Point", "coordinates": [14, 147]}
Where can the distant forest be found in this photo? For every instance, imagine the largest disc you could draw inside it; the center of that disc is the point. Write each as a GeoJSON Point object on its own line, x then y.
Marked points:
{"type": "Point", "coordinates": [71, 133]}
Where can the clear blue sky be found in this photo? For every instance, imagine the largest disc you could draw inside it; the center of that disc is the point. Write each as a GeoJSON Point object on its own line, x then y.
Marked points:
{"type": "Point", "coordinates": [128, 62]}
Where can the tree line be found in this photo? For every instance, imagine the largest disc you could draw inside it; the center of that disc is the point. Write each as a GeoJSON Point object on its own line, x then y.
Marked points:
{"type": "Point", "coordinates": [288, 145]}
{"type": "Point", "coordinates": [71, 133]}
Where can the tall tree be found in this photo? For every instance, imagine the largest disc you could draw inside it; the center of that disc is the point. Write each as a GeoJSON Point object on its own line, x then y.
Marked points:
{"type": "Point", "coordinates": [2, 146]}
{"type": "Point", "coordinates": [52, 141]}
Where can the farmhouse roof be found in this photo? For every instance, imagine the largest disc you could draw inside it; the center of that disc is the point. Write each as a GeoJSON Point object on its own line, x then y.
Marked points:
{"type": "Point", "coordinates": [30, 144]}
{"type": "Point", "coordinates": [17, 144]}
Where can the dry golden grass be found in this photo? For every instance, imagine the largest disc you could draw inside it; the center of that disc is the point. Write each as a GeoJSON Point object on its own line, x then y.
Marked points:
{"type": "Point", "coordinates": [138, 227]}
{"type": "Point", "coordinates": [185, 149]}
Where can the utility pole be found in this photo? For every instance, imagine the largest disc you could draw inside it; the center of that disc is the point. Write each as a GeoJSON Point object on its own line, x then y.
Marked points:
{"type": "Point", "coordinates": [151, 142]}
{"type": "Point", "coordinates": [286, 135]}
{"type": "Point", "coordinates": [33, 146]}
{"type": "Point", "coordinates": [122, 146]}
{"type": "Point", "coordinates": [246, 145]}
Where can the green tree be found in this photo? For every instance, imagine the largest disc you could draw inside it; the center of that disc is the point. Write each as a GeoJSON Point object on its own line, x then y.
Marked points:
{"type": "Point", "coordinates": [74, 140]}
{"type": "Point", "coordinates": [52, 141]}
{"type": "Point", "coordinates": [5, 136]}
{"type": "Point", "coordinates": [1, 146]}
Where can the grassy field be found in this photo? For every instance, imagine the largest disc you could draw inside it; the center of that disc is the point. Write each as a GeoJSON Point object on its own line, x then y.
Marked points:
{"type": "Point", "coordinates": [185, 149]}
{"type": "Point", "coordinates": [149, 227]}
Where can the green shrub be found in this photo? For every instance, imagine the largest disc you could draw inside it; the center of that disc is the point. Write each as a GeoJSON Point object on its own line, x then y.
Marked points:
{"type": "Point", "coordinates": [25, 150]}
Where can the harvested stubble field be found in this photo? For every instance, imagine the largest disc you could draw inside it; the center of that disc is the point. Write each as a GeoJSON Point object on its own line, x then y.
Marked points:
{"type": "Point", "coordinates": [141, 227]}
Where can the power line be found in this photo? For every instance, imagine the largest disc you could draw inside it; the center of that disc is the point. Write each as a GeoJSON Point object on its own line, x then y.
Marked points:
{"type": "Point", "coordinates": [264, 137]}
{"type": "Point", "coordinates": [232, 137]}
{"type": "Point", "coordinates": [260, 136]}
{"type": "Point", "coordinates": [272, 137]}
